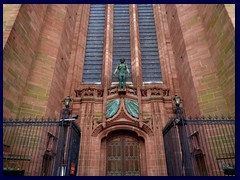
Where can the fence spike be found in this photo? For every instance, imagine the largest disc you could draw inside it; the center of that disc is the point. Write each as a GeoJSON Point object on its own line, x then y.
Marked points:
{"type": "Point", "coordinates": [35, 119]}
{"type": "Point", "coordinates": [203, 117]}
{"type": "Point", "coordinates": [209, 117]}
{"type": "Point", "coordinates": [196, 117]}
{"type": "Point", "coordinates": [229, 117]}
{"type": "Point", "coordinates": [222, 116]}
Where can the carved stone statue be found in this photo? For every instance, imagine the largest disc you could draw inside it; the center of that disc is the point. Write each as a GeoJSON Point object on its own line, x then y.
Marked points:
{"type": "Point", "coordinates": [123, 72]}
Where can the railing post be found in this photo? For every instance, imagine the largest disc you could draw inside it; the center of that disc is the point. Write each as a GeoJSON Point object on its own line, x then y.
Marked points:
{"type": "Point", "coordinates": [183, 138]}
{"type": "Point", "coordinates": [64, 123]}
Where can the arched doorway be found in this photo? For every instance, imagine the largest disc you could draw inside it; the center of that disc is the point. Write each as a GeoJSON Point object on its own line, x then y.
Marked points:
{"type": "Point", "coordinates": [123, 154]}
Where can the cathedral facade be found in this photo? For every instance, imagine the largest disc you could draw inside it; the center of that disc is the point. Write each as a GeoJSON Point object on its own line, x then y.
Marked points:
{"type": "Point", "coordinates": [54, 51]}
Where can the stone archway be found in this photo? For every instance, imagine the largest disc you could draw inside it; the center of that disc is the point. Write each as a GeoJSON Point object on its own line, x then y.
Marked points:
{"type": "Point", "coordinates": [141, 134]}
{"type": "Point", "coordinates": [123, 154]}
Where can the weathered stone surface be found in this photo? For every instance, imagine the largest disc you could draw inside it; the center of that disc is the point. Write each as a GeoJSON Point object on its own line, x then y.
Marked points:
{"type": "Point", "coordinates": [44, 50]}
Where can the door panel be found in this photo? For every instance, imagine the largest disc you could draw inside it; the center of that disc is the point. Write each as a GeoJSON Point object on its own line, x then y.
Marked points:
{"type": "Point", "coordinates": [123, 156]}
{"type": "Point", "coordinates": [114, 158]}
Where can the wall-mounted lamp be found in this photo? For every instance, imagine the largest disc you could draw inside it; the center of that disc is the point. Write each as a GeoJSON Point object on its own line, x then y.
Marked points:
{"type": "Point", "coordinates": [67, 101]}
{"type": "Point", "coordinates": [177, 100]}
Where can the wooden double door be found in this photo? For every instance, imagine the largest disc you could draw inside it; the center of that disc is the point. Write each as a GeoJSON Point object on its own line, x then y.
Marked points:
{"type": "Point", "coordinates": [123, 156]}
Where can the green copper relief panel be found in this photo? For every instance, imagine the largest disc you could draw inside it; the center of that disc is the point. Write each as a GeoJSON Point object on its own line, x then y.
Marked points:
{"type": "Point", "coordinates": [112, 108]}
{"type": "Point", "coordinates": [132, 107]}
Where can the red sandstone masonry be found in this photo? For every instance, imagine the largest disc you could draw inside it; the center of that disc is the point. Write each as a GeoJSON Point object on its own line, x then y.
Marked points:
{"type": "Point", "coordinates": [230, 8]}
{"type": "Point", "coordinates": [10, 12]}
{"type": "Point", "coordinates": [61, 66]}
{"type": "Point", "coordinates": [222, 49]}
{"type": "Point", "coordinates": [107, 56]}
{"type": "Point", "coordinates": [73, 59]}
{"type": "Point", "coordinates": [108, 48]}
{"type": "Point", "coordinates": [19, 52]}
{"type": "Point", "coordinates": [165, 50]}
{"type": "Point", "coordinates": [45, 58]}
{"type": "Point", "coordinates": [169, 73]}
{"type": "Point", "coordinates": [79, 53]}
{"type": "Point", "coordinates": [181, 61]}
{"type": "Point", "coordinates": [57, 73]}
{"type": "Point", "coordinates": [135, 47]}
{"type": "Point", "coordinates": [199, 75]}
{"type": "Point", "coordinates": [54, 43]}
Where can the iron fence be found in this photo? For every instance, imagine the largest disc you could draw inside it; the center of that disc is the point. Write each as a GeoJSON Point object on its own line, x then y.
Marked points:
{"type": "Point", "coordinates": [40, 147]}
{"type": "Point", "coordinates": [200, 146]}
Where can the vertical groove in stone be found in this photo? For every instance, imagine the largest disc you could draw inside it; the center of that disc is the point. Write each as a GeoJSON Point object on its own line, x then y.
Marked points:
{"type": "Point", "coordinates": [108, 47]}
{"type": "Point", "coordinates": [135, 47]}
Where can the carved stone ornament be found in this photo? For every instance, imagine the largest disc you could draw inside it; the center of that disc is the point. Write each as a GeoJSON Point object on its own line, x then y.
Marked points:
{"type": "Point", "coordinates": [155, 91]}
{"type": "Point", "coordinates": [89, 91]}
{"type": "Point", "coordinates": [112, 108]}
{"type": "Point", "coordinates": [132, 107]}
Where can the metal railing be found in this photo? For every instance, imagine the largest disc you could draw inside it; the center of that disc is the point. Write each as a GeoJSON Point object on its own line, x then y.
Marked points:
{"type": "Point", "coordinates": [201, 146]}
{"type": "Point", "coordinates": [39, 147]}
